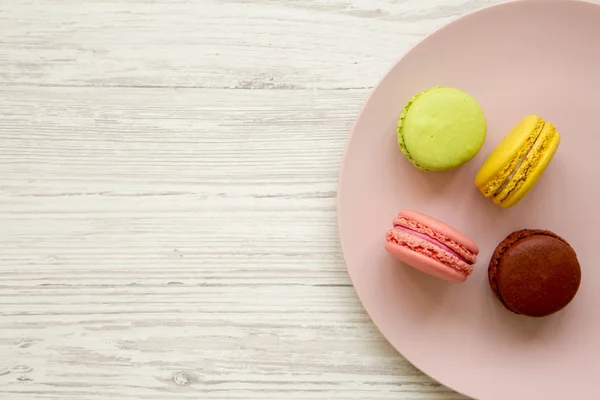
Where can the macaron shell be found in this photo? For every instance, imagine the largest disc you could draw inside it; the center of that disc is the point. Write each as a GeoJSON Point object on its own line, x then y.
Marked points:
{"type": "Point", "coordinates": [507, 154]}
{"type": "Point", "coordinates": [559, 287]}
{"type": "Point", "coordinates": [442, 228]}
{"type": "Point", "coordinates": [534, 272]}
{"type": "Point", "coordinates": [431, 250]}
{"type": "Point", "coordinates": [455, 129]}
{"type": "Point", "coordinates": [424, 263]}
{"type": "Point", "coordinates": [531, 169]}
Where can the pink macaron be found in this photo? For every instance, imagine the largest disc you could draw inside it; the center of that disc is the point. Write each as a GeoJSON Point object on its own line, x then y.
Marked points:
{"type": "Point", "coordinates": [431, 246]}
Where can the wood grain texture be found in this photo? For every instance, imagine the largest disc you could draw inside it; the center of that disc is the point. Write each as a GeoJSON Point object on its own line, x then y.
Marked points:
{"type": "Point", "coordinates": [276, 44]}
{"type": "Point", "coordinates": [167, 198]}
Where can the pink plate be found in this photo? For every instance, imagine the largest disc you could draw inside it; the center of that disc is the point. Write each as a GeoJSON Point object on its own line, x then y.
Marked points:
{"type": "Point", "coordinates": [517, 58]}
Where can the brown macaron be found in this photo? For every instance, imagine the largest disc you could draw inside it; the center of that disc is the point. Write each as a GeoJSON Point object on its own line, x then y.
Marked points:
{"type": "Point", "coordinates": [534, 272]}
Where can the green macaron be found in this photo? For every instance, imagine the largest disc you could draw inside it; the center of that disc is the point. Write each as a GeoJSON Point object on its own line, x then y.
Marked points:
{"type": "Point", "coordinates": [441, 128]}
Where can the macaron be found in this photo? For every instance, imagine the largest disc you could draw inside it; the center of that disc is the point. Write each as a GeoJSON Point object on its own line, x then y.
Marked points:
{"type": "Point", "coordinates": [519, 160]}
{"type": "Point", "coordinates": [431, 246]}
{"type": "Point", "coordinates": [534, 273]}
{"type": "Point", "coordinates": [441, 128]}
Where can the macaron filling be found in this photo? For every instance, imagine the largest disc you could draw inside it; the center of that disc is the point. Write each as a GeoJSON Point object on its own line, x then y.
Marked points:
{"type": "Point", "coordinates": [529, 164]}
{"type": "Point", "coordinates": [519, 163]}
{"type": "Point", "coordinates": [431, 240]}
{"type": "Point", "coordinates": [500, 181]}
{"type": "Point", "coordinates": [457, 249]}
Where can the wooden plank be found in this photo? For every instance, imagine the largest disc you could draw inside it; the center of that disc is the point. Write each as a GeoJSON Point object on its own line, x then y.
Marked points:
{"type": "Point", "coordinates": [276, 44]}
{"type": "Point", "coordinates": [181, 243]}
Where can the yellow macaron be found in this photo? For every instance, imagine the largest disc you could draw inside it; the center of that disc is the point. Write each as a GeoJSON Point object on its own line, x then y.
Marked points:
{"type": "Point", "coordinates": [517, 163]}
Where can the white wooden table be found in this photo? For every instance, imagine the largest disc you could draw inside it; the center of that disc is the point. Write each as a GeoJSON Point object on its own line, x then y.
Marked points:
{"type": "Point", "coordinates": [168, 174]}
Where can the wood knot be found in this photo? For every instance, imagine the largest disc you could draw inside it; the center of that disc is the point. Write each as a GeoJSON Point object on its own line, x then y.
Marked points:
{"type": "Point", "coordinates": [183, 378]}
